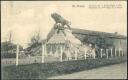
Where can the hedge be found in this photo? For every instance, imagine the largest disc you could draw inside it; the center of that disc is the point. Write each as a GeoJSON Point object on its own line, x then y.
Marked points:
{"type": "Point", "coordinates": [45, 70]}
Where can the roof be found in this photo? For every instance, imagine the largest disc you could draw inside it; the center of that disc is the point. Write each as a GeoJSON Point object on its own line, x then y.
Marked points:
{"type": "Point", "coordinates": [95, 33]}
{"type": "Point", "coordinates": [57, 39]}
{"type": "Point", "coordinates": [70, 37]}
{"type": "Point", "coordinates": [63, 37]}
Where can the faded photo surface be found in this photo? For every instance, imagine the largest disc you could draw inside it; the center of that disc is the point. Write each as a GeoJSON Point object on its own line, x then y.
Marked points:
{"type": "Point", "coordinates": [64, 39]}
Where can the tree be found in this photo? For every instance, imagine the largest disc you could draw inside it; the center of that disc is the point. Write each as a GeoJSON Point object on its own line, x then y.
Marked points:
{"type": "Point", "coordinates": [35, 39]}
{"type": "Point", "coordinates": [8, 50]}
{"type": "Point", "coordinates": [100, 41]}
{"type": "Point", "coordinates": [86, 39]}
{"type": "Point", "coordinates": [34, 45]}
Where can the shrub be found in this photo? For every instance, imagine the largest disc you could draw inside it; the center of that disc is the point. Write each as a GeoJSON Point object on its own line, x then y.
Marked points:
{"type": "Point", "coordinates": [41, 71]}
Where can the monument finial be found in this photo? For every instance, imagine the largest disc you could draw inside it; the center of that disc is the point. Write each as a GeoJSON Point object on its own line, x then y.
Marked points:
{"type": "Point", "coordinates": [59, 19]}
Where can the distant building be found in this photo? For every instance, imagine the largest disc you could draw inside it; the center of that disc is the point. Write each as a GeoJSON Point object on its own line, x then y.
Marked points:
{"type": "Point", "coordinates": [111, 39]}
{"type": "Point", "coordinates": [87, 36]}
{"type": "Point", "coordinates": [9, 49]}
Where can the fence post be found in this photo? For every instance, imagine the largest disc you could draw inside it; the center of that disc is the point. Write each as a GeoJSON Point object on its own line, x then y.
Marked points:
{"type": "Point", "coordinates": [101, 54]}
{"type": "Point", "coordinates": [17, 53]}
{"type": "Point", "coordinates": [94, 54]}
{"type": "Point", "coordinates": [76, 54]}
{"type": "Point", "coordinates": [42, 53]}
{"type": "Point", "coordinates": [61, 53]}
{"type": "Point", "coordinates": [45, 50]}
{"type": "Point", "coordinates": [111, 53]}
{"type": "Point", "coordinates": [85, 53]}
{"type": "Point", "coordinates": [115, 52]}
{"type": "Point", "coordinates": [119, 51]}
{"type": "Point", "coordinates": [107, 53]}
{"type": "Point", "coordinates": [69, 58]}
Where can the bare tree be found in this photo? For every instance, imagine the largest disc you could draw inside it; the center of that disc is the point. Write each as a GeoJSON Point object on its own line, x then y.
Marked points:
{"type": "Point", "coordinates": [36, 38]}
{"type": "Point", "coordinates": [35, 44]}
{"type": "Point", "coordinates": [10, 36]}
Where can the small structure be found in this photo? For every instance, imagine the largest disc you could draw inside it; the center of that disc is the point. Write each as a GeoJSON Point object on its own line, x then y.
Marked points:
{"type": "Point", "coordinates": [62, 44]}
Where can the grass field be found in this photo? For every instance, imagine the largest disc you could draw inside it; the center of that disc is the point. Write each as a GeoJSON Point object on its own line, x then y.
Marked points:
{"type": "Point", "coordinates": [45, 70]}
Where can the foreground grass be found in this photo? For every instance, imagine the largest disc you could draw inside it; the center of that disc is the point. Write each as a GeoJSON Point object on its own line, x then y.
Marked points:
{"type": "Point", "coordinates": [43, 71]}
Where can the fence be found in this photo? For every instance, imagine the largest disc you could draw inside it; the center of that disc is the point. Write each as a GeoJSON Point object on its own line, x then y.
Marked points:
{"type": "Point", "coordinates": [104, 53]}
{"type": "Point", "coordinates": [29, 60]}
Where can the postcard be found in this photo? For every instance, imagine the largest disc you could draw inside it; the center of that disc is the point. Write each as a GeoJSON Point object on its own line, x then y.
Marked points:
{"type": "Point", "coordinates": [64, 39]}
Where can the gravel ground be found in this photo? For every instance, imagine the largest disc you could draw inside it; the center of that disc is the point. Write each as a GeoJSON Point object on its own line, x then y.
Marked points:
{"type": "Point", "coordinates": [117, 71]}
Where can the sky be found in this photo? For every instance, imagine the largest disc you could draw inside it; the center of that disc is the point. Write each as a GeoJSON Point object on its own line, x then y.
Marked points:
{"type": "Point", "coordinates": [24, 18]}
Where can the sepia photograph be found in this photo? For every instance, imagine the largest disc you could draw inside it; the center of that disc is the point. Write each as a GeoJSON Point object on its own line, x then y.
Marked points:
{"type": "Point", "coordinates": [63, 40]}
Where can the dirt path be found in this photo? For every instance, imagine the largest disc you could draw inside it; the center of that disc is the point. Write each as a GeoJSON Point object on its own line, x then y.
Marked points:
{"type": "Point", "coordinates": [117, 71]}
